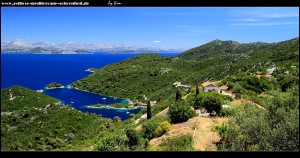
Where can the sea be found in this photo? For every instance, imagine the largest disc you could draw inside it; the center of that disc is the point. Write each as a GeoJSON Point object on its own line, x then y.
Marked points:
{"type": "Point", "coordinates": [35, 71]}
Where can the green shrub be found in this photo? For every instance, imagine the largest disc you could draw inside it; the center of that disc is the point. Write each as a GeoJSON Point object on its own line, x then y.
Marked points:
{"type": "Point", "coordinates": [212, 103]}
{"type": "Point", "coordinates": [162, 128]}
{"type": "Point", "coordinates": [225, 112]}
{"type": "Point", "coordinates": [181, 143]}
{"type": "Point", "coordinates": [181, 112]}
{"type": "Point", "coordinates": [111, 142]}
{"type": "Point", "coordinates": [150, 126]}
{"type": "Point", "coordinates": [133, 137]}
{"type": "Point", "coordinates": [116, 119]}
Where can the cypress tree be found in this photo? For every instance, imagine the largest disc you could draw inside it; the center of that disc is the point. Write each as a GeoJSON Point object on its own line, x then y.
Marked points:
{"type": "Point", "coordinates": [197, 89]}
{"type": "Point", "coordinates": [178, 96]}
{"type": "Point", "coordinates": [149, 113]}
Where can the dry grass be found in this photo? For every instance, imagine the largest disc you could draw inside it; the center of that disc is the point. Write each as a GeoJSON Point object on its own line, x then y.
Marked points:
{"type": "Point", "coordinates": [204, 137]}
{"type": "Point", "coordinates": [138, 128]}
{"type": "Point", "coordinates": [243, 101]}
{"type": "Point", "coordinates": [179, 129]}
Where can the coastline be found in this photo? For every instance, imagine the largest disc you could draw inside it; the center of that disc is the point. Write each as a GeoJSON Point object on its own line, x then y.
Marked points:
{"type": "Point", "coordinates": [128, 100]}
{"type": "Point", "coordinates": [88, 70]}
{"type": "Point", "coordinates": [40, 90]}
{"type": "Point", "coordinates": [54, 87]}
{"type": "Point", "coordinates": [110, 107]}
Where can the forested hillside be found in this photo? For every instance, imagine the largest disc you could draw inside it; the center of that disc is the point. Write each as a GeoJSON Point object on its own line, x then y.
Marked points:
{"type": "Point", "coordinates": [153, 76]}
{"type": "Point", "coordinates": [34, 121]}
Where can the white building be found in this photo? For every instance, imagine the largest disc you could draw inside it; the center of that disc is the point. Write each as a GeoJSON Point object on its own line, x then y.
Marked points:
{"type": "Point", "coordinates": [209, 86]}
{"type": "Point", "coordinates": [270, 71]}
{"type": "Point", "coordinates": [179, 84]}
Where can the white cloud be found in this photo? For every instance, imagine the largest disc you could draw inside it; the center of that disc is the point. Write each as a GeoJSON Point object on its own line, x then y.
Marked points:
{"type": "Point", "coordinates": [193, 29]}
{"type": "Point", "coordinates": [267, 12]}
{"type": "Point", "coordinates": [156, 41]}
{"type": "Point", "coordinates": [247, 20]}
{"type": "Point", "coordinates": [266, 16]}
{"type": "Point", "coordinates": [265, 24]}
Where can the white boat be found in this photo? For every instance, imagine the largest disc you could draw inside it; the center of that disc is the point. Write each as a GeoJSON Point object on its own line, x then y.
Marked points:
{"type": "Point", "coordinates": [103, 98]}
{"type": "Point", "coordinates": [39, 90]}
{"type": "Point", "coordinates": [72, 102]}
{"type": "Point", "coordinates": [127, 112]}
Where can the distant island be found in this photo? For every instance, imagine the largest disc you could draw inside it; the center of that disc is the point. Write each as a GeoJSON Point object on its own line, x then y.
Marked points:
{"type": "Point", "coordinates": [54, 85]}
{"type": "Point", "coordinates": [22, 47]}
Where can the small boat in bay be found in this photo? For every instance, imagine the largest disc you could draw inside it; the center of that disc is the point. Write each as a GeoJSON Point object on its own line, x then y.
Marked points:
{"type": "Point", "coordinates": [40, 90]}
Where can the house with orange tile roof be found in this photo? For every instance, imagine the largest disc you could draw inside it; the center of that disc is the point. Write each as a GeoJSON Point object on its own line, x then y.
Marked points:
{"type": "Point", "coordinates": [258, 76]}
{"type": "Point", "coordinates": [223, 88]}
{"type": "Point", "coordinates": [209, 86]}
{"type": "Point", "coordinates": [268, 76]}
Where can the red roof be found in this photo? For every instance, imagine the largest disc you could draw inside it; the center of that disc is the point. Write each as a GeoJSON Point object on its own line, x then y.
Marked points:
{"type": "Point", "coordinates": [208, 84]}
{"type": "Point", "coordinates": [224, 87]}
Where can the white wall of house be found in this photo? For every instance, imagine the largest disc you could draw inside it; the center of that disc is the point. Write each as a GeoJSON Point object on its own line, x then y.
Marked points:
{"type": "Point", "coordinates": [207, 89]}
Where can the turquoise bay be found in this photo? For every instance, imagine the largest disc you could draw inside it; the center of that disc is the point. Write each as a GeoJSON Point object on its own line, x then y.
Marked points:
{"type": "Point", "coordinates": [35, 71]}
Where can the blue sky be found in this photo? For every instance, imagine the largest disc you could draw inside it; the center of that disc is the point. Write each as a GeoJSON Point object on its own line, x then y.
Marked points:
{"type": "Point", "coordinates": [166, 27]}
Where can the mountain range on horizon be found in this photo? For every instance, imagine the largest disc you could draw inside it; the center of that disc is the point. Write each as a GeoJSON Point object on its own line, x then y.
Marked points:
{"type": "Point", "coordinates": [19, 46]}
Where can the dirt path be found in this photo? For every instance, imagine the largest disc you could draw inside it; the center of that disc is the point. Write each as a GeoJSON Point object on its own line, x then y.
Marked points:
{"type": "Point", "coordinates": [164, 112]}
{"type": "Point", "coordinates": [204, 136]}
{"type": "Point", "coordinates": [179, 129]}
{"type": "Point", "coordinates": [184, 97]}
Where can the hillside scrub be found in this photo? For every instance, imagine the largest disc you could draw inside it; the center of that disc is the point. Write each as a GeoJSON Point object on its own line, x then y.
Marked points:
{"type": "Point", "coordinates": [181, 111]}
{"type": "Point", "coordinates": [276, 129]}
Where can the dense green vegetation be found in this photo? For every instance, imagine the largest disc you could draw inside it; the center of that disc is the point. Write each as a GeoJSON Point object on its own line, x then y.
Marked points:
{"type": "Point", "coordinates": [236, 64]}
{"type": "Point", "coordinates": [276, 129]}
{"type": "Point", "coordinates": [152, 76]}
{"type": "Point", "coordinates": [19, 98]}
{"type": "Point", "coordinates": [181, 143]}
{"type": "Point", "coordinates": [216, 47]}
{"type": "Point", "coordinates": [133, 138]}
{"type": "Point", "coordinates": [35, 121]}
{"type": "Point", "coordinates": [180, 112]}
{"type": "Point", "coordinates": [111, 142]}
{"type": "Point", "coordinates": [151, 128]}
{"type": "Point", "coordinates": [54, 85]}
{"type": "Point", "coordinates": [211, 101]}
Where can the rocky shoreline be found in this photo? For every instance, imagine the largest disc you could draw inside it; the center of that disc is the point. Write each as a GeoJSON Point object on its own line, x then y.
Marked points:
{"type": "Point", "coordinates": [55, 87]}
{"type": "Point", "coordinates": [110, 107]}
{"type": "Point", "coordinates": [129, 101]}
